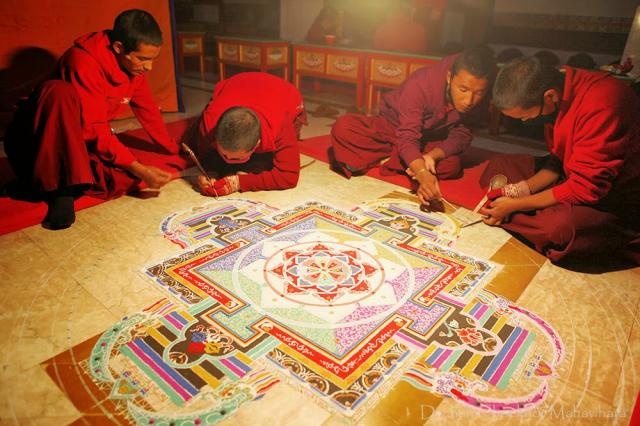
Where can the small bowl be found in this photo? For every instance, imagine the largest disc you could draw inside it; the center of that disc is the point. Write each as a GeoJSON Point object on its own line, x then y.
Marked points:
{"type": "Point", "coordinates": [330, 39]}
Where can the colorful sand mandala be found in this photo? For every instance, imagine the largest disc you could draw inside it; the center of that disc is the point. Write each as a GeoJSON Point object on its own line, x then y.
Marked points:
{"type": "Point", "coordinates": [148, 385]}
{"type": "Point", "coordinates": [432, 227]}
{"type": "Point", "coordinates": [341, 305]}
{"type": "Point", "coordinates": [212, 220]}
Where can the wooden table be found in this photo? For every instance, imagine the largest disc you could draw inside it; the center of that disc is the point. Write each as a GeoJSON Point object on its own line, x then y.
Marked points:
{"type": "Point", "coordinates": [386, 69]}
{"type": "Point", "coordinates": [259, 54]}
{"type": "Point", "coordinates": [332, 63]}
{"type": "Point", "coordinates": [369, 70]}
{"type": "Point", "coordinates": [191, 44]}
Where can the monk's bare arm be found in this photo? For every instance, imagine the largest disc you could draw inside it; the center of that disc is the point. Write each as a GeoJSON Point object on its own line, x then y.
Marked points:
{"type": "Point", "coordinates": [542, 179]}
{"type": "Point", "coordinates": [538, 201]}
{"type": "Point", "coordinates": [432, 157]}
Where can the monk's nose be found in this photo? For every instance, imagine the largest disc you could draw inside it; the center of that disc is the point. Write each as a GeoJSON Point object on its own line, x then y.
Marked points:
{"type": "Point", "coordinates": [472, 99]}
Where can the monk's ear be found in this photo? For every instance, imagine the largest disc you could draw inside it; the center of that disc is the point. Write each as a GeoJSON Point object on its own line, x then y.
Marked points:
{"type": "Point", "coordinates": [448, 77]}
{"type": "Point", "coordinates": [553, 95]}
{"type": "Point", "coordinates": [117, 47]}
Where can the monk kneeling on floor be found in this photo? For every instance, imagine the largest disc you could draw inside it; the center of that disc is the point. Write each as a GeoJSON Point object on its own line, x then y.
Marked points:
{"type": "Point", "coordinates": [248, 135]}
{"type": "Point", "coordinates": [422, 126]}
{"type": "Point", "coordinates": [60, 144]}
{"type": "Point", "coordinates": [584, 199]}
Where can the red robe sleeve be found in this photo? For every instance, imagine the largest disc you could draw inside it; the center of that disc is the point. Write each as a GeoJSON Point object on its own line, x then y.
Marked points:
{"type": "Point", "coordinates": [458, 139]}
{"type": "Point", "coordinates": [201, 144]}
{"type": "Point", "coordinates": [87, 78]}
{"type": "Point", "coordinates": [410, 118]}
{"type": "Point", "coordinates": [286, 165]}
{"type": "Point", "coordinates": [148, 114]}
{"type": "Point", "coordinates": [598, 151]}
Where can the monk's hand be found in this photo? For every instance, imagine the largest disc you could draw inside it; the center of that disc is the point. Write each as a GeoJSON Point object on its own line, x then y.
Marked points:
{"type": "Point", "coordinates": [156, 178]}
{"type": "Point", "coordinates": [153, 177]}
{"type": "Point", "coordinates": [498, 210]}
{"type": "Point", "coordinates": [429, 189]}
{"type": "Point", "coordinates": [430, 163]}
{"type": "Point", "coordinates": [205, 186]}
{"type": "Point", "coordinates": [225, 186]}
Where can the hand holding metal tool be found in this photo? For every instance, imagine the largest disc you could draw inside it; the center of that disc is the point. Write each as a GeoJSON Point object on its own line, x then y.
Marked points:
{"type": "Point", "coordinates": [497, 182]}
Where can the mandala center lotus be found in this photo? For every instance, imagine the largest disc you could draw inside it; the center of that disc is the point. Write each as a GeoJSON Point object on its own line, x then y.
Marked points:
{"type": "Point", "coordinates": [325, 270]}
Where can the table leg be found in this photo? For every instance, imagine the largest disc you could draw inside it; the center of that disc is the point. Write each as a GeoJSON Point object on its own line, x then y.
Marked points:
{"type": "Point", "coordinates": [221, 70]}
{"type": "Point", "coordinates": [359, 93]}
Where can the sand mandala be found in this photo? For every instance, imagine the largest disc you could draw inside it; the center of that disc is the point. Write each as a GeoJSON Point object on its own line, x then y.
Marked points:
{"type": "Point", "coordinates": [341, 305]}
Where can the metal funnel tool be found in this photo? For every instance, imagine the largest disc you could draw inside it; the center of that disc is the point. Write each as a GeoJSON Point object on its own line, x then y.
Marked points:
{"type": "Point", "coordinates": [496, 182]}
{"type": "Point", "coordinates": [191, 154]}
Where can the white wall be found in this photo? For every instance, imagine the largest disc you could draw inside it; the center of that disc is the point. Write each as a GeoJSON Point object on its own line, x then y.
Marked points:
{"type": "Point", "coordinates": [604, 8]}
{"type": "Point", "coordinates": [632, 49]}
{"type": "Point", "coordinates": [296, 16]}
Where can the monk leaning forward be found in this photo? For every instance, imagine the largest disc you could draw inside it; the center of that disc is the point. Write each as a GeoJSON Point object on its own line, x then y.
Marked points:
{"type": "Point", "coordinates": [583, 200]}
{"type": "Point", "coordinates": [248, 135]}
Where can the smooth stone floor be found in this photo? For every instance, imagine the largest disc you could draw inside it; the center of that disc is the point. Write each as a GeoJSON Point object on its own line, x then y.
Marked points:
{"type": "Point", "coordinates": [61, 288]}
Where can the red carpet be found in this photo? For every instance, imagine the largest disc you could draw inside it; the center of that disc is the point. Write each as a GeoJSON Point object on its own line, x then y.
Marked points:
{"type": "Point", "coordinates": [465, 191]}
{"type": "Point", "coordinates": [635, 416]}
{"type": "Point", "coordinates": [16, 214]}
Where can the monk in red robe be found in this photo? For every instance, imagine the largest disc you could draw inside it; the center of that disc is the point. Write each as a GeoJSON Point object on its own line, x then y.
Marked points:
{"type": "Point", "coordinates": [248, 135]}
{"type": "Point", "coordinates": [60, 144]}
{"type": "Point", "coordinates": [422, 125]}
{"type": "Point", "coordinates": [399, 32]}
{"type": "Point", "coordinates": [584, 200]}
{"type": "Point", "coordinates": [326, 23]}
